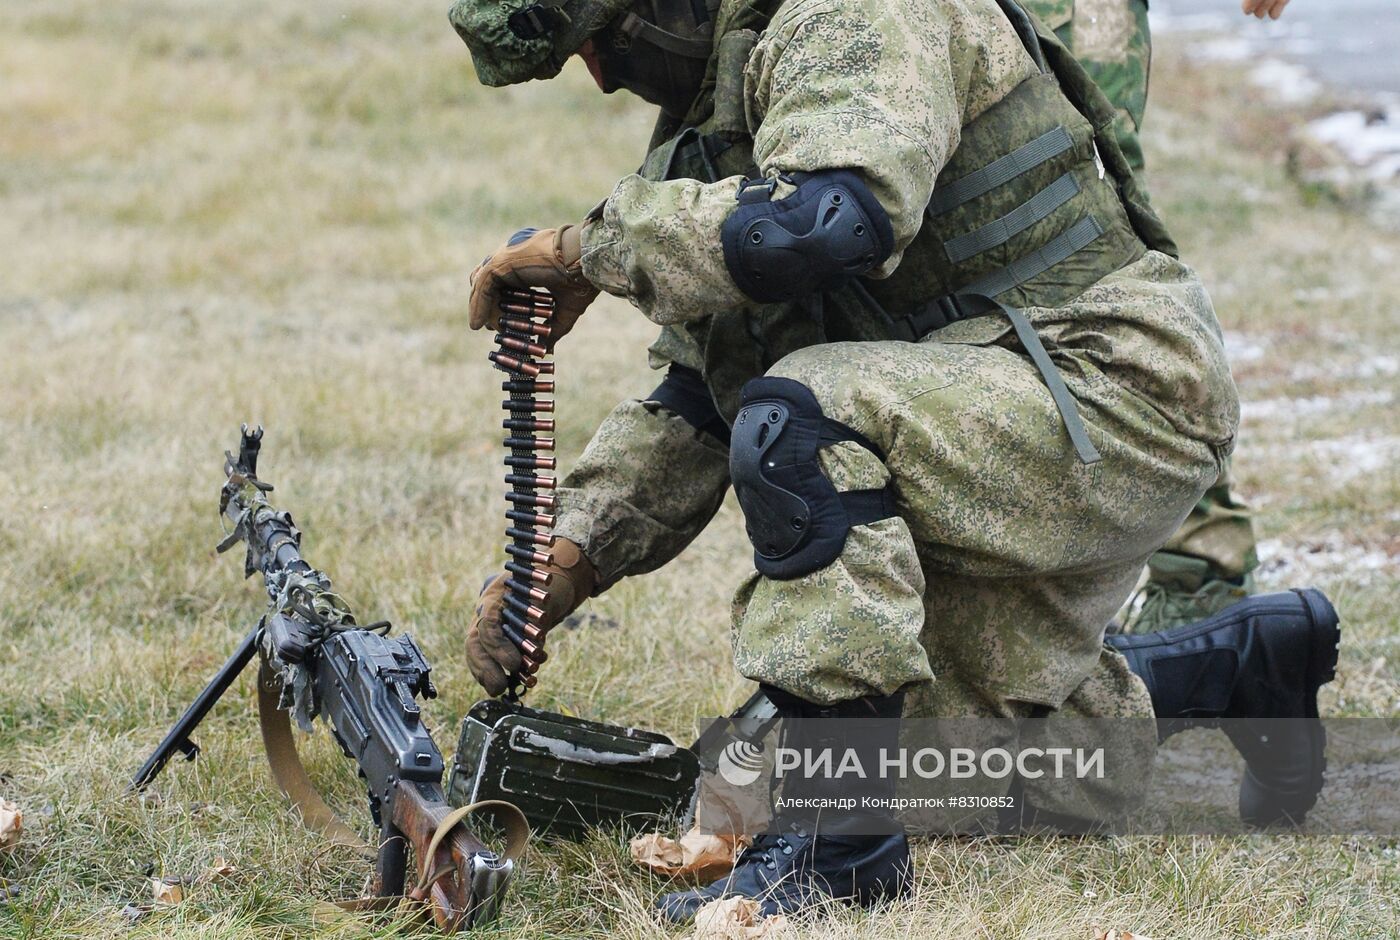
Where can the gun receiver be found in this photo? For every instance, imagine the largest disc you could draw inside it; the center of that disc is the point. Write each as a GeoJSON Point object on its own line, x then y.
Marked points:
{"type": "Point", "coordinates": [317, 661]}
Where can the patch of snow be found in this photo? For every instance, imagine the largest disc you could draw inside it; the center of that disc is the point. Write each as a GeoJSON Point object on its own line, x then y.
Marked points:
{"type": "Point", "coordinates": [1285, 82]}
{"type": "Point", "coordinates": [1366, 139]}
{"type": "Point", "coordinates": [1224, 49]}
{"type": "Point", "coordinates": [1377, 366]}
{"type": "Point", "coordinates": [1381, 365]}
{"type": "Point", "coordinates": [1272, 409]}
{"type": "Point", "coordinates": [1384, 210]}
{"type": "Point", "coordinates": [1385, 169]}
{"type": "Point", "coordinates": [1242, 347]}
{"type": "Point", "coordinates": [1325, 294]}
{"type": "Point", "coordinates": [1163, 22]}
{"type": "Point", "coordinates": [1356, 455]}
{"type": "Point", "coordinates": [1330, 556]}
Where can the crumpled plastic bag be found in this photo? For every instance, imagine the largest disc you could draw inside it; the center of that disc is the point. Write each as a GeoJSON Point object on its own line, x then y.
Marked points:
{"type": "Point", "coordinates": [736, 919]}
{"type": "Point", "coordinates": [11, 824]}
{"type": "Point", "coordinates": [697, 854]}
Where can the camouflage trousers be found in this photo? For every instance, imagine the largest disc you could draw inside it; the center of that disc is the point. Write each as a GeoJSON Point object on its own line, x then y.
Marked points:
{"type": "Point", "coordinates": [988, 595]}
{"type": "Point", "coordinates": [1220, 529]}
{"type": "Point", "coordinates": [1007, 557]}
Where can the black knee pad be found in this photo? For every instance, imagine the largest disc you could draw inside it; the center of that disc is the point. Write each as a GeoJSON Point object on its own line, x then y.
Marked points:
{"type": "Point", "coordinates": [796, 520]}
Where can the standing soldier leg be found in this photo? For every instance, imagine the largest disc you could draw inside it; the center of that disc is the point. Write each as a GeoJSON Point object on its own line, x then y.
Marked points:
{"type": "Point", "coordinates": [1112, 40]}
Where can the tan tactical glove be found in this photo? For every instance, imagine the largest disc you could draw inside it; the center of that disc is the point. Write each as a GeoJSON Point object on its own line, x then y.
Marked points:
{"type": "Point", "coordinates": [491, 655]}
{"type": "Point", "coordinates": [547, 258]}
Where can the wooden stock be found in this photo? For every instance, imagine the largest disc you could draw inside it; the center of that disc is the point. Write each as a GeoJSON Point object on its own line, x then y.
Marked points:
{"type": "Point", "coordinates": [444, 868]}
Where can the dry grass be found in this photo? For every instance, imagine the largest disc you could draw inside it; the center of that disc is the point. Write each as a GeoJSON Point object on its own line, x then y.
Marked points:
{"type": "Point", "coordinates": [259, 211]}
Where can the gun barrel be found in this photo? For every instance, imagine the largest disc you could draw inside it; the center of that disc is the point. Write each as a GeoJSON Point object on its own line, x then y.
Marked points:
{"type": "Point", "coordinates": [274, 545]}
{"type": "Point", "coordinates": [178, 738]}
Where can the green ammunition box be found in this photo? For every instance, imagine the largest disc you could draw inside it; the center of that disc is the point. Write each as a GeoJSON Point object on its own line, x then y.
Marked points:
{"type": "Point", "coordinates": [568, 775]}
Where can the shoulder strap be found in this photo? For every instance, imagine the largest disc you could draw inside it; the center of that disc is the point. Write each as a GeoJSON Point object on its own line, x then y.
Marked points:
{"type": "Point", "coordinates": [1025, 28]}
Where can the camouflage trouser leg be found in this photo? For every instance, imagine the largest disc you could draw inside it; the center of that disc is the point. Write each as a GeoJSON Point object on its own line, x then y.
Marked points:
{"type": "Point", "coordinates": [991, 591]}
{"type": "Point", "coordinates": [1109, 710]}
{"type": "Point", "coordinates": [1113, 42]}
{"type": "Point", "coordinates": [1220, 529]}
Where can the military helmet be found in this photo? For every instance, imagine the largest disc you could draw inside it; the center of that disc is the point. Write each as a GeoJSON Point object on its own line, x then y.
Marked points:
{"type": "Point", "coordinates": [513, 41]}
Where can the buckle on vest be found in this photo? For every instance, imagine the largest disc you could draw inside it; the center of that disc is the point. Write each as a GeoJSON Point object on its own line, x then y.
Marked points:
{"type": "Point", "coordinates": [749, 186]}
{"type": "Point", "coordinates": [950, 308]}
{"type": "Point", "coordinates": [932, 316]}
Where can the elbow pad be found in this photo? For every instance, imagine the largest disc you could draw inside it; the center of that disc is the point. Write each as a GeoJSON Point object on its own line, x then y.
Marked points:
{"type": "Point", "coordinates": [831, 229]}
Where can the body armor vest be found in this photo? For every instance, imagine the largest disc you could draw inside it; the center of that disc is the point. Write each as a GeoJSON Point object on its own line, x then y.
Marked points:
{"type": "Point", "coordinates": [1036, 205]}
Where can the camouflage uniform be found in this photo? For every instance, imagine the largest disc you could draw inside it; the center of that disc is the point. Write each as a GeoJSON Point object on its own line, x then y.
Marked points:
{"type": "Point", "coordinates": [1112, 40]}
{"type": "Point", "coordinates": [988, 594]}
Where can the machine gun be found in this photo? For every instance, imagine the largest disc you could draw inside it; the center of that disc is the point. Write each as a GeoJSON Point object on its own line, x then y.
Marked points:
{"type": "Point", "coordinates": [316, 660]}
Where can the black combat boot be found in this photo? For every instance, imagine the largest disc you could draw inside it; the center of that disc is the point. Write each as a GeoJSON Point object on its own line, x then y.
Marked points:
{"type": "Point", "coordinates": [1253, 671]}
{"type": "Point", "coordinates": [811, 853]}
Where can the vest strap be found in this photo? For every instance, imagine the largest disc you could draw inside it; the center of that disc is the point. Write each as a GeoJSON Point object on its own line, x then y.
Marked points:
{"type": "Point", "coordinates": [969, 305]}
{"type": "Point", "coordinates": [1078, 236]}
{"type": "Point", "coordinates": [690, 145]}
{"type": "Point", "coordinates": [1036, 209]}
{"type": "Point", "coordinates": [638, 28]}
{"type": "Point", "coordinates": [1000, 171]}
{"type": "Point", "coordinates": [1064, 401]}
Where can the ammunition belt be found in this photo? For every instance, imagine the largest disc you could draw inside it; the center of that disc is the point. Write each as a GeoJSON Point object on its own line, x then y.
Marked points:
{"type": "Point", "coordinates": [524, 331]}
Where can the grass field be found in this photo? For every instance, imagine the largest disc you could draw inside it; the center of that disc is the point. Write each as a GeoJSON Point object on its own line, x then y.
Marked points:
{"type": "Point", "coordinates": [212, 213]}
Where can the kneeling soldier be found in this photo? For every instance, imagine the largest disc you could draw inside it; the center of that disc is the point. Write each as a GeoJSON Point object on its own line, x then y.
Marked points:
{"type": "Point", "coordinates": [916, 309]}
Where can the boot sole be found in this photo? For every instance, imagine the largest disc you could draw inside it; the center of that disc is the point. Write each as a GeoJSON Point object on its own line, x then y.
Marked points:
{"type": "Point", "coordinates": [1262, 806]}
